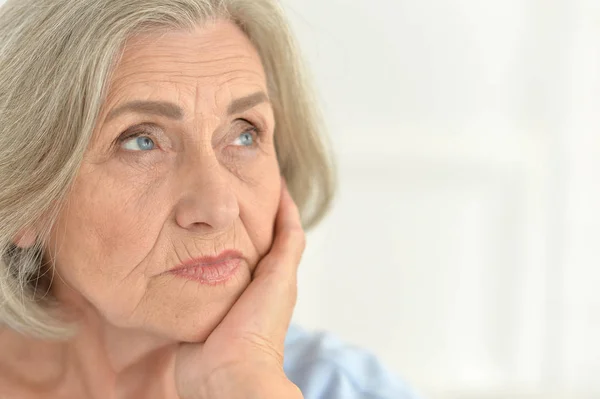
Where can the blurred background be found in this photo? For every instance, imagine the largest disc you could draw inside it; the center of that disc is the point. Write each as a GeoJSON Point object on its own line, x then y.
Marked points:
{"type": "Point", "coordinates": [463, 247]}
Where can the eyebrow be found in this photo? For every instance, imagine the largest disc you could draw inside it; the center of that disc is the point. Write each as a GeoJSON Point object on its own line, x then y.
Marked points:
{"type": "Point", "coordinates": [245, 103]}
{"type": "Point", "coordinates": [174, 111]}
{"type": "Point", "coordinates": [160, 108]}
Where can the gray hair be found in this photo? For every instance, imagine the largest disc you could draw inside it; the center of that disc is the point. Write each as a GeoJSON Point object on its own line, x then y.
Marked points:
{"type": "Point", "coordinates": [56, 59]}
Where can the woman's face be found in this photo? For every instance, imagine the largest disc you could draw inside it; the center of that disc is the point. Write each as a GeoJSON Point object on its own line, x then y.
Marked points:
{"type": "Point", "coordinates": [182, 165]}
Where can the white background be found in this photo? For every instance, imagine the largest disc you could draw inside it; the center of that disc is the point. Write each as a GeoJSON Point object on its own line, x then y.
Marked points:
{"type": "Point", "coordinates": [463, 246]}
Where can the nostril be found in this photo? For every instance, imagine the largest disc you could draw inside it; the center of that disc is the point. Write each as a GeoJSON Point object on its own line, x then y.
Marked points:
{"type": "Point", "coordinates": [214, 209]}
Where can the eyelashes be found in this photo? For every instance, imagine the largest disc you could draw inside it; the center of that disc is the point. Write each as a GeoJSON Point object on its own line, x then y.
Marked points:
{"type": "Point", "coordinates": [144, 129]}
{"type": "Point", "coordinates": [154, 133]}
{"type": "Point", "coordinates": [253, 130]}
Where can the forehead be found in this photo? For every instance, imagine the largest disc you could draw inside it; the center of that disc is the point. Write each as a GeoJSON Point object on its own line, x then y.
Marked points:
{"type": "Point", "coordinates": [213, 61]}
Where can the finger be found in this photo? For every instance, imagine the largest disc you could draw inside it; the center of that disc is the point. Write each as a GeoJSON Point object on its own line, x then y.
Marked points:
{"type": "Point", "coordinates": [264, 310]}
{"type": "Point", "coordinates": [289, 242]}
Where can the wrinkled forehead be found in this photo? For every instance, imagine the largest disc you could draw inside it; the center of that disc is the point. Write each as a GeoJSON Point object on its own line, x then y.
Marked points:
{"type": "Point", "coordinates": [211, 64]}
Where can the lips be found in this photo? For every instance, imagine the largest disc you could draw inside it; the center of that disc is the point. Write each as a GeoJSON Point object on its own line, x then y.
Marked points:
{"type": "Point", "coordinates": [210, 270]}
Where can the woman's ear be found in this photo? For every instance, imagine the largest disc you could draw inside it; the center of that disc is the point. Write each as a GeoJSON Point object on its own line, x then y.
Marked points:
{"type": "Point", "coordinates": [25, 238]}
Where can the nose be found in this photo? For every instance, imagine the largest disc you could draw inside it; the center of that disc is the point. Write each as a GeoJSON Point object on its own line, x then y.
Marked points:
{"type": "Point", "coordinates": [207, 204]}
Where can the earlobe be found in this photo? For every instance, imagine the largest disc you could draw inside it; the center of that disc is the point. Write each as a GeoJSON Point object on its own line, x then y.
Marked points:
{"type": "Point", "coordinates": [25, 238]}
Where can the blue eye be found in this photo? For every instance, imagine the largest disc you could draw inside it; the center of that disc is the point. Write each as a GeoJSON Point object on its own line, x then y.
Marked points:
{"type": "Point", "coordinates": [245, 139]}
{"type": "Point", "coordinates": [140, 143]}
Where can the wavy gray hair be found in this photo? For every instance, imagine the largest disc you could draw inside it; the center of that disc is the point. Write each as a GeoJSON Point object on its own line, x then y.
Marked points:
{"type": "Point", "coordinates": [56, 58]}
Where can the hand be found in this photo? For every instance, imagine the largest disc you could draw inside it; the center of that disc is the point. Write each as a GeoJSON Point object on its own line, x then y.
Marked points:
{"type": "Point", "coordinates": [243, 356]}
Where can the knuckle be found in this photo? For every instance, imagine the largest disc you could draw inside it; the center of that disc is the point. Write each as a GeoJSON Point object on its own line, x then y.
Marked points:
{"type": "Point", "coordinates": [302, 241]}
{"type": "Point", "coordinates": [296, 236]}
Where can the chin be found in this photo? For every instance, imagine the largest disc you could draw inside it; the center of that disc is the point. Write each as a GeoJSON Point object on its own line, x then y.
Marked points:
{"type": "Point", "coordinates": [180, 310]}
{"type": "Point", "coordinates": [194, 323]}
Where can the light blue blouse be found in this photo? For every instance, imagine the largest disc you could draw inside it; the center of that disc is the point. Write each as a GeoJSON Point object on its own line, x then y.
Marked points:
{"type": "Point", "coordinates": [323, 367]}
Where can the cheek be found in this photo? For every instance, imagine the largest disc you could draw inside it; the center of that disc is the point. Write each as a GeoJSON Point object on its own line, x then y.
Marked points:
{"type": "Point", "coordinates": [104, 232]}
{"type": "Point", "coordinates": [258, 209]}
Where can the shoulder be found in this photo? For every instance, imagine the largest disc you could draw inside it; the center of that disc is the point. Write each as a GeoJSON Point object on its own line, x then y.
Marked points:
{"type": "Point", "coordinates": [324, 367]}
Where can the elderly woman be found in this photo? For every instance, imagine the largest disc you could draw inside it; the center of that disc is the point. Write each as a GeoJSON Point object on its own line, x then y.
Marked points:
{"type": "Point", "coordinates": [152, 153]}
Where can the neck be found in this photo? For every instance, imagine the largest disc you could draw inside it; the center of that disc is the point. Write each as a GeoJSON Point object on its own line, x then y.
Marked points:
{"type": "Point", "coordinates": [115, 361]}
